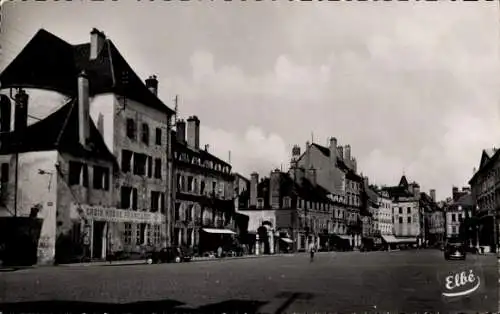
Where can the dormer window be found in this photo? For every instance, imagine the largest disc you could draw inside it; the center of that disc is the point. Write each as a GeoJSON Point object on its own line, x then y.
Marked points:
{"type": "Point", "coordinates": [260, 202]}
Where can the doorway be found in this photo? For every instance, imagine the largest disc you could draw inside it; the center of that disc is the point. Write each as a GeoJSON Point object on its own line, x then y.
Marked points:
{"type": "Point", "coordinates": [97, 239]}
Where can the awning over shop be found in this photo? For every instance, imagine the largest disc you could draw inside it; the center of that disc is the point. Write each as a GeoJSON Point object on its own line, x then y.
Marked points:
{"type": "Point", "coordinates": [390, 239]}
{"type": "Point", "coordinates": [287, 240]}
{"type": "Point", "coordinates": [219, 231]}
{"type": "Point", "coordinates": [343, 236]}
{"type": "Point", "coordinates": [406, 240]}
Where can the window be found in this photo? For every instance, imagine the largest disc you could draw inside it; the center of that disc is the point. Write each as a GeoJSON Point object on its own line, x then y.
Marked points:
{"type": "Point", "coordinates": [400, 210]}
{"type": "Point", "coordinates": [189, 212]}
{"type": "Point", "coordinates": [128, 233]}
{"type": "Point", "coordinates": [155, 201]}
{"type": "Point", "coordinates": [409, 220]}
{"type": "Point", "coordinates": [150, 166]}
{"type": "Point", "coordinates": [145, 134]}
{"type": "Point", "coordinates": [260, 202]}
{"type": "Point", "coordinates": [131, 129]}
{"type": "Point", "coordinates": [453, 217]}
{"type": "Point", "coordinates": [134, 198]}
{"type": "Point", "coordinates": [101, 178]}
{"type": "Point", "coordinates": [400, 220]}
{"type": "Point", "coordinates": [158, 168]}
{"type": "Point", "coordinates": [287, 202]}
{"type": "Point", "coordinates": [214, 187]}
{"type": "Point", "coordinates": [454, 229]}
{"type": "Point", "coordinates": [156, 234]}
{"type": "Point", "coordinates": [78, 174]}
{"type": "Point", "coordinates": [202, 187]}
{"type": "Point", "coordinates": [140, 164]}
{"type": "Point", "coordinates": [408, 210]}
{"type": "Point", "coordinates": [5, 172]}
{"type": "Point", "coordinates": [158, 136]}
{"type": "Point", "coordinates": [140, 232]}
{"type": "Point", "coordinates": [126, 160]}
{"type": "Point", "coordinates": [177, 213]}
{"type": "Point", "coordinates": [190, 183]}
{"type": "Point", "coordinates": [125, 193]}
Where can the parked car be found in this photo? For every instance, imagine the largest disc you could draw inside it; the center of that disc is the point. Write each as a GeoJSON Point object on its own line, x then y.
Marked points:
{"type": "Point", "coordinates": [169, 255]}
{"type": "Point", "coordinates": [455, 249]}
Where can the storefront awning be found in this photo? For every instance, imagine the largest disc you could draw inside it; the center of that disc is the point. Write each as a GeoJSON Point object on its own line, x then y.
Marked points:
{"type": "Point", "coordinates": [390, 239]}
{"type": "Point", "coordinates": [343, 236]}
{"type": "Point", "coordinates": [406, 240]}
{"type": "Point", "coordinates": [219, 231]}
{"type": "Point", "coordinates": [287, 240]}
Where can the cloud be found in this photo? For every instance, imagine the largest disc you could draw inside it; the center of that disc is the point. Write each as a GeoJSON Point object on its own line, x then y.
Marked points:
{"type": "Point", "coordinates": [251, 151]}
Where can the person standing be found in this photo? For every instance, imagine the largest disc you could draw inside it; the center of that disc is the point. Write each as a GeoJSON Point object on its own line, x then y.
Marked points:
{"type": "Point", "coordinates": [311, 252]}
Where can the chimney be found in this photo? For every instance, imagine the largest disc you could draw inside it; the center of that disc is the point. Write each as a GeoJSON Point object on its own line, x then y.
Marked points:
{"type": "Point", "coordinates": [207, 147]}
{"type": "Point", "coordinates": [5, 113]}
{"type": "Point", "coordinates": [152, 84]}
{"type": "Point", "coordinates": [347, 153]}
{"type": "Point", "coordinates": [180, 130]}
{"type": "Point", "coordinates": [366, 181]}
{"type": "Point", "coordinates": [340, 151]}
{"type": "Point", "coordinates": [354, 165]}
{"type": "Point", "coordinates": [254, 181]}
{"type": "Point", "coordinates": [193, 132]}
{"type": "Point", "coordinates": [100, 124]}
{"type": "Point", "coordinates": [295, 156]}
{"type": "Point", "coordinates": [274, 189]}
{"type": "Point", "coordinates": [21, 112]}
{"type": "Point", "coordinates": [83, 109]}
{"type": "Point", "coordinates": [432, 192]}
{"type": "Point", "coordinates": [97, 39]}
{"type": "Point", "coordinates": [333, 150]}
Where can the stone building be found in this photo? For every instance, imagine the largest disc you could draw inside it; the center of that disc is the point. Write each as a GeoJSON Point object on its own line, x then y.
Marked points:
{"type": "Point", "coordinates": [407, 217]}
{"type": "Point", "coordinates": [288, 211]}
{"type": "Point", "coordinates": [133, 122]}
{"type": "Point", "coordinates": [204, 194]}
{"type": "Point", "coordinates": [485, 192]}
{"type": "Point", "coordinates": [46, 163]}
{"type": "Point", "coordinates": [336, 171]}
{"type": "Point", "coordinates": [457, 211]}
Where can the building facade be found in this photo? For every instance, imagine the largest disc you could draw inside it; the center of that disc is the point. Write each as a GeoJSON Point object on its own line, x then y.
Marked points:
{"type": "Point", "coordinates": [336, 171]}
{"type": "Point", "coordinates": [485, 192]}
{"type": "Point", "coordinates": [384, 225]}
{"type": "Point", "coordinates": [40, 176]}
{"type": "Point", "coordinates": [133, 123]}
{"type": "Point", "coordinates": [204, 194]}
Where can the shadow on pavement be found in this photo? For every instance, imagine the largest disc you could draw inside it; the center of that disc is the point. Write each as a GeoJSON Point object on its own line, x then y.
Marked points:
{"type": "Point", "coordinates": [163, 306]}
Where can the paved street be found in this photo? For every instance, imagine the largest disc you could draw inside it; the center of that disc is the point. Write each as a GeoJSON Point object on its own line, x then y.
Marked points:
{"type": "Point", "coordinates": [403, 281]}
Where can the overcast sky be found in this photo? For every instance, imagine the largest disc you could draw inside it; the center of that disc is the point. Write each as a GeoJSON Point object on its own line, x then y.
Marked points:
{"type": "Point", "coordinates": [410, 86]}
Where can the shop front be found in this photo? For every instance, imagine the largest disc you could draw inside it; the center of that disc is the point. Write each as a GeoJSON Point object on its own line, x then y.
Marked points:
{"type": "Point", "coordinates": [211, 239]}
{"type": "Point", "coordinates": [111, 230]}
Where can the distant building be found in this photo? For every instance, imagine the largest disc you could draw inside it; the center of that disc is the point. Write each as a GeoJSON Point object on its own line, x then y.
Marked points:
{"type": "Point", "coordinates": [407, 217]}
{"type": "Point", "coordinates": [287, 212]}
{"type": "Point", "coordinates": [336, 170]}
{"type": "Point", "coordinates": [458, 211]}
{"type": "Point", "coordinates": [203, 216]}
{"type": "Point", "coordinates": [484, 191]}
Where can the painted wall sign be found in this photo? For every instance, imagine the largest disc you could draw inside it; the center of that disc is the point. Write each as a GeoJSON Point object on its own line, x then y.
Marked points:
{"type": "Point", "coordinates": [121, 215]}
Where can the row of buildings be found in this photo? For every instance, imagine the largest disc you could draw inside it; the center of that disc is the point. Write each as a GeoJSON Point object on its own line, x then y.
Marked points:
{"type": "Point", "coordinates": [113, 169]}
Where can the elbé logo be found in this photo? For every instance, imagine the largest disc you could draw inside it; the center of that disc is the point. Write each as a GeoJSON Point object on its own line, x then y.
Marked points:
{"type": "Point", "coordinates": [461, 283]}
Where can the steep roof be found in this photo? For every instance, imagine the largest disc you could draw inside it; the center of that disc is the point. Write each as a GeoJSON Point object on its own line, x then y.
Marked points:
{"type": "Point", "coordinates": [340, 162]}
{"type": "Point", "coordinates": [403, 181]}
{"type": "Point", "coordinates": [485, 163]}
{"type": "Point", "coordinates": [465, 200]}
{"type": "Point", "coordinates": [48, 62]}
{"type": "Point", "coordinates": [203, 154]}
{"type": "Point", "coordinates": [58, 131]}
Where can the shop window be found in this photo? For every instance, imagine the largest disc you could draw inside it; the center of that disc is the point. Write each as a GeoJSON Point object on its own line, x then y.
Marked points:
{"type": "Point", "coordinates": [127, 239]}
{"type": "Point", "coordinates": [158, 136]}
{"type": "Point", "coordinates": [260, 202]}
{"type": "Point", "coordinates": [156, 234]}
{"type": "Point", "coordinates": [140, 231]}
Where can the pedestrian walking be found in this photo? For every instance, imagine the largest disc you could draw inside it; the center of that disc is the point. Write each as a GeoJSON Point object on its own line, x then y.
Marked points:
{"type": "Point", "coordinates": [311, 252]}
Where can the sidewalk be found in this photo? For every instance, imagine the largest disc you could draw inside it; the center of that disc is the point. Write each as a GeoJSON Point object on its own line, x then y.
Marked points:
{"type": "Point", "coordinates": [195, 259]}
